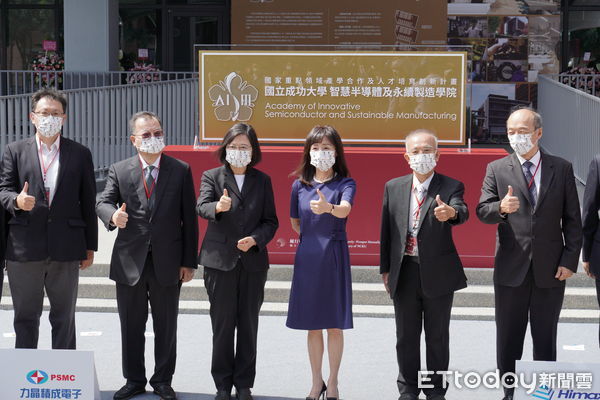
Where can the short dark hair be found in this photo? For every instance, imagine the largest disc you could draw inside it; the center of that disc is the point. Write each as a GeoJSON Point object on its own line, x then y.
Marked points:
{"type": "Point", "coordinates": [52, 94]}
{"type": "Point", "coordinates": [305, 171]}
{"type": "Point", "coordinates": [232, 133]}
{"type": "Point", "coordinates": [142, 114]}
{"type": "Point", "coordinates": [537, 118]}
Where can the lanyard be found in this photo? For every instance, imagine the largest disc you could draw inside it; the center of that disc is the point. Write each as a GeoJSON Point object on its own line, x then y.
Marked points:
{"type": "Point", "coordinates": [44, 168]}
{"type": "Point", "coordinates": [534, 174]}
{"type": "Point", "coordinates": [148, 191]}
{"type": "Point", "coordinates": [419, 206]}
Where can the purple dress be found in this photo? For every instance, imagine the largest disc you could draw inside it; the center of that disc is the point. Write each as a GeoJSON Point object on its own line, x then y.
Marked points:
{"type": "Point", "coordinates": [321, 295]}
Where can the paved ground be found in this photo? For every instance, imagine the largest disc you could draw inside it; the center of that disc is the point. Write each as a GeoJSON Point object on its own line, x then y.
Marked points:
{"type": "Point", "coordinates": [368, 368]}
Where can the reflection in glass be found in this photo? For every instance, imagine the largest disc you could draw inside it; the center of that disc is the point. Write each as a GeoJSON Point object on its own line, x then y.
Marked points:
{"type": "Point", "coordinates": [140, 29]}
{"type": "Point", "coordinates": [27, 29]}
{"type": "Point", "coordinates": [584, 37]}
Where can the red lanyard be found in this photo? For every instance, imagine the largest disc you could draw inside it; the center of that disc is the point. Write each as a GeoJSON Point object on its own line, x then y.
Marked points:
{"type": "Point", "coordinates": [148, 191]}
{"type": "Point", "coordinates": [419, 204]}
{"type": "Point", "coordinates": [44, 168]}
{"type": "Point", "coordinates": [534, 174]}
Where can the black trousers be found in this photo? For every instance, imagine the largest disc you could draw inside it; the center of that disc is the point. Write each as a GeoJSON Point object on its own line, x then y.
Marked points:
{"type": "Point", "coordinates": [413, 311]}
{"type": "Point", "coordinates": [132, 303]}
{"type": "Point", "coordinates": [514, 307]}
{"type": "Point", "coordinates": [235, 299]}
{"type": "Point", "coordinates": [28, 281]}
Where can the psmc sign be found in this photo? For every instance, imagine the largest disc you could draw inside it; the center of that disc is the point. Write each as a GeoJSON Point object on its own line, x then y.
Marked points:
{"type": "Point", "coordinates": [48, 374]}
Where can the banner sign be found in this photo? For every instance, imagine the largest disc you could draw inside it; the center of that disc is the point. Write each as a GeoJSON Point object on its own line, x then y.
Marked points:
{"type": "Point", "coordinates": [48, 374]}
{"type": "Point", "coordinates": [545, 380]}
{"type": "Point", "coordinates": [369, 97]}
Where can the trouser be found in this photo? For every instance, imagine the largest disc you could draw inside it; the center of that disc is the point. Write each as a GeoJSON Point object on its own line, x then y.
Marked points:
{"type": "Point", "coordinates": [235, 300]}
{"type": "Point", "coordinates": [132, 302]}
{"type": "Point", "coordinates": [413, 310]}
{"type": "Point", "coordinates": [27, 282]}
{"type": "Point", "coordinates": [514, 307]}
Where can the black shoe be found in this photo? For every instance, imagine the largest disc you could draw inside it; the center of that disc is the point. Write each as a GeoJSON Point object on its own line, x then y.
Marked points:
{"type": "Point", "coordinates": [321, 395]}
{"type": "Point", "coordinates": [223, 395]}
{"type": "Point", "coordinates": [165, 392]}
{"type": "Point", "coordinates": [408, 396]}
{"type": "Point", "coordinates": [436, 397]}
{"type": "Point", "coordinates": [244, 394]}
{"type": "Point", "coordinates": [128, 391]}
{"type": "Point", "coordinates": [508, 397]}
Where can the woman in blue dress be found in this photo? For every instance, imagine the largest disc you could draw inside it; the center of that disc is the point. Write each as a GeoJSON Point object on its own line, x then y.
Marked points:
{"type": "Point", "coordinates": [321, 295]}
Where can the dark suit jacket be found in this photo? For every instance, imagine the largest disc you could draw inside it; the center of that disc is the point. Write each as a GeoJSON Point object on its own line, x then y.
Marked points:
{"type": "Point", "coordinates": [171, 229]}
{"type": "Point", "coordinates": [440, 266]}
{"type": "Point", "coordinates": [64, 231]}
{"type": "Point", "coordinates": [546, 237]}
{"type": "Point", "coordinates": [252, 213]}
{"type": "Point", "coordinates": [591, 207]}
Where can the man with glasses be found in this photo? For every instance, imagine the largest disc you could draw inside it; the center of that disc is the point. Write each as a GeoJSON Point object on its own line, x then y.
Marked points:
{"type": "Point", "coordinates": [47, 186]}
{"type": "Point", "coordinates": [532, 197]}
{"type": "Point", "coordinates": [150, 198]}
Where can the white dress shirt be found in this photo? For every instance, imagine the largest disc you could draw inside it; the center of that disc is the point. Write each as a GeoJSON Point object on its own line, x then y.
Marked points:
{"type": "Point", "coordinates": [49, 162]}
{"type": "Point", "coordinates": [537, 178]}
{"type": "Point", "coordinates": [414, 218]}
{"type": "Point", "coordinates": [239, 179]}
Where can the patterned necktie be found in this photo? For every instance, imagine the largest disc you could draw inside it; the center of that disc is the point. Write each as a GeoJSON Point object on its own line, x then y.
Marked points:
{"type": "Point", "coordinates": [150, 185]}
{"type": "Point", "coordinates": [529, 178]}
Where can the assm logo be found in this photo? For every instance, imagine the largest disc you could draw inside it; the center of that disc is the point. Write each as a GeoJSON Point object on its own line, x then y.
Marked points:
{"type": "Point", "coordinates": [37, 377]}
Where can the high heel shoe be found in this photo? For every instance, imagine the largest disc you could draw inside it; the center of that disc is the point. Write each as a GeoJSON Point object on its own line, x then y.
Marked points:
{"type": "Point", "coordinates": [321, 395]}
{"type": "Point", "coordinates": [333, 398]}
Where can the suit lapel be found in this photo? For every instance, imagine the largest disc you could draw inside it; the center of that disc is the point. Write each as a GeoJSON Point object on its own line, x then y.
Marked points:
{"type": "Point", "coordinates": [519, 178]}
{"type": "Point", "coordinates": [163, 180]}
{"type": "Point", "coordinates": [547, 175]}
{"type": "Point", "coordinates": [63, 159]}
{"type": "Point", "coordinates": [231, 184]}
{"type": "Point", "coordinates": [35, 167]}
{"type": "Point", "coordinates": [136, 181]}
{"type": "Point", "coordinates": [249, 181]}
{"type": "Point", "coordinates": [432, 191]}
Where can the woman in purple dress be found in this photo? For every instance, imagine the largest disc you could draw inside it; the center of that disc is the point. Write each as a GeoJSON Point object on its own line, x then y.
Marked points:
{"type": "Point", "coordinates": [321, 295]}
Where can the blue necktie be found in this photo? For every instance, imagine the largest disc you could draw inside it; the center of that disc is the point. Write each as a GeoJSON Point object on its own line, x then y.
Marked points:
{"type": "Point", "coordinates": [529, 178]}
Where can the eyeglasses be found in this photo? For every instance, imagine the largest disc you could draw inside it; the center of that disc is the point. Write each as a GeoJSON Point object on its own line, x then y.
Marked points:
{"type": "Point", "coordinates": [521, 132]}
{"type": "Point", "coordinates": [47, 114]}
{"type": "Point", "coordinates": [241, 148]}
{"type": "Point", "coordinates": [148, 135]}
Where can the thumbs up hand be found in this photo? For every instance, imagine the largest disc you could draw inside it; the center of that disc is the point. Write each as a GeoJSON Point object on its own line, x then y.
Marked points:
{"type": "Point", "coordinates": [25, 202]}
{"type": "Point", "coordinates": [320, 206]}
{"type": "Point", "coordinates": [443, 212]}
{"type": "Point", "coordinates": [509, 203]}
{"type": "Point", "coordinates": [224, 203]}
{"type": "Point", "coordinates": [119, 218]}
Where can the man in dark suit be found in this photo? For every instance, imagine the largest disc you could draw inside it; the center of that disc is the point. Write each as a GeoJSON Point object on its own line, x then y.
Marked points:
{"type": "Point", "coordinates": [47, 185]}
{"type": "Point", "coordinates": [591, 235]}
{"type": "Point", "coordinates": [3, 232]}
{"type": "Point", "coordinates": [538, 240]}
{"type": "Point", "coordinates": [419, 263]}
{"type": "Point", "coordinates": [150, 197]}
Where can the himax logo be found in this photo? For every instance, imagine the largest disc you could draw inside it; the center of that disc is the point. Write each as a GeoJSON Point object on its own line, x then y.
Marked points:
{"type": "Point", "coordinates": [37, 377]}
{"type": "Point", "coordinates": [543, 392]}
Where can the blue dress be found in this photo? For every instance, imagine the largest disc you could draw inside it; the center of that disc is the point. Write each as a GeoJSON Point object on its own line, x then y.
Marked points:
{"type": "Point", "coordinates": [321, 295]}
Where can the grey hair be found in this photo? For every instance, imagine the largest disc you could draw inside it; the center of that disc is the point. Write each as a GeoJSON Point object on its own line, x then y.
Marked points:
{"type": "Point", "coordinates": [142, 114]}
{"type": "Point", "coordinates": [419, 131]}
{"type": "Point", "coordinates": [537, 118]}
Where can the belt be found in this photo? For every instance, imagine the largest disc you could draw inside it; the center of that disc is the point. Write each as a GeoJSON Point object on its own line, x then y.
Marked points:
{"type": "Point", "coordinates": [413, 259]}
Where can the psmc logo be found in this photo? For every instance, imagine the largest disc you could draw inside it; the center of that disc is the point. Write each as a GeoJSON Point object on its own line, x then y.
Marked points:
{"type": "Point", "coordinates": [39, 377]}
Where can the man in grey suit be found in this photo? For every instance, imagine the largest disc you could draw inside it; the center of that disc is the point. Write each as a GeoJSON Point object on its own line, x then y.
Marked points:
{"type": "Point", "coordinates": [150, 198]}
{"type": "Point", "coordinates": [419, 263]}
{"type": "Point", "coordinates": [538, 241]}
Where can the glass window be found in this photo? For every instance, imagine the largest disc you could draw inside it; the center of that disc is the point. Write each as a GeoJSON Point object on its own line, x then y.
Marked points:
{"type": "Point", "coordinates": [195, 1]}
{"type": "Point", "coordinates": [143, 2]}
{"type": "Point", "coordinates": [36, 2]}
{"type": "Point", "coordinates": [27, 29]}
{"type": "Point", "coordinates": [584, 39]}
{"type": "Point", "coordinates": [139, 37]}
{"type": "Point", "coordinates": [188, 31]}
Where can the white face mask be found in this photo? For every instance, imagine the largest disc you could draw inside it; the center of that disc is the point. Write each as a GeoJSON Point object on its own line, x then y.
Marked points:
{"type": "Point", "coordinates": [521, 142]}
{"type": "Point", "coordinates": [322, 159]}
{"type": "Point", "coordinates": [152, 145]}
{"type": "Point", "coordinates": [238, 158]}
{"type": "Point", "coordinates": [422, 163]}
{"type": "Point", "coordinates": [48, 126]}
